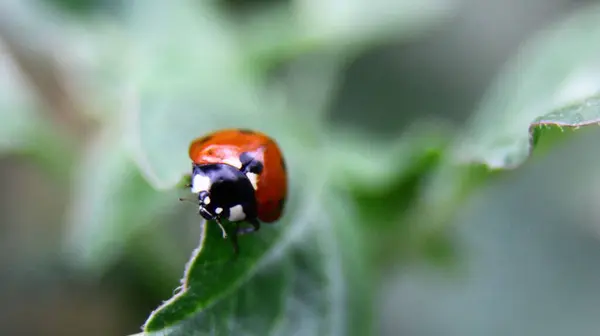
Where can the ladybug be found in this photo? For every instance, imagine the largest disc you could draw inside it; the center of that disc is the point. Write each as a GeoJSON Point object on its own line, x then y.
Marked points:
{"type": "Point", "coordinates": [238, 175]}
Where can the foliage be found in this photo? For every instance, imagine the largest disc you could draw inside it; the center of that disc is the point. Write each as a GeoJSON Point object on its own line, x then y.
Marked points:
{"type": "Point", "coordinates": [357, 205]}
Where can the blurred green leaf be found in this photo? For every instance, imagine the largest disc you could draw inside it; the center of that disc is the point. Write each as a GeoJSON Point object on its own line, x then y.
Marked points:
{"type": "Point", "coordinates": [557, 68]}
{"type": "Point", "coordinates": [367, 167]}
{"type": "Point", "coordinates": [346, 22]}
{"type": "Point", "coordinates": [552, 83]}
{"type": "Point", "coordinates": [165, 125]}
{"type": "Point", "coordinates": [23, 129]}
{"type": "Point", "coordinates": [19, 116]}
{"type": "Point", "coordinates": [308, 86]}
{"type": "Point", "coordinates": [87, 57]}
{"type": "Point", "coordinates": [111, 199]}
{"type": "Point", "coordinates": [284, 31]}
{"type": "Point", "coordinates": [384, 176]}
{"type": "Point", "coordinates": [85, 8]}
{"type": "Point", "coordinates": [530, 244]}
{"type": "Point", "coordinates": [186, 82]}
{"type": "Point", "coordinates": [450, 184]}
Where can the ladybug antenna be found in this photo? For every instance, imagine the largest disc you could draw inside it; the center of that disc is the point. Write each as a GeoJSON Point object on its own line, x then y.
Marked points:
{"type": "Point", "coordinates": [183, 199]}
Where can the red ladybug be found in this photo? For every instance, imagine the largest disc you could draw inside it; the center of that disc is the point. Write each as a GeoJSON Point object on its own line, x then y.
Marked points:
{"type": "Point", "coordinates": [238, 175]}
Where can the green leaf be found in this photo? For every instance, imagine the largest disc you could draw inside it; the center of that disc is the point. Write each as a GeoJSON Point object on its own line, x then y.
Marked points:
{"type": "Point", "coordinates": [183, 45]}
{"type": "Point", "coordinates": [521, 236]}
{"type": "Point", "coordinates": [451, 184]}
{"type": "Point", "coordinates": [378, 161]}
{"type": "Point", "coordinates": [93, 66]}
{"type": "Point", "coordinates": [213, 271]}
{"type": "Point", "coordinates": [551, 85]}
{"type": "Point", "coordinates": [569, 118]}
{"type": "Point", "coordinates": [312, 281]}
{"type": "Point", "coordinates": [559, 67]}
{"type": "Point", "coordinates": [186, 82]}
{"type": "Point", "coordinates": [344, 22]}
{"type": "Point", "coordinates": [23, 129]}
{"type": "Point", "coordinates": [111, 199]}
{"type": "Point", "coordinates": [18, 108]}
{"type": "Point", "coordinates": [282, 32]}
{"type": "Point", "coordinates": [164, 126]}
{"type": "Point", "coordinates": [85, 9]}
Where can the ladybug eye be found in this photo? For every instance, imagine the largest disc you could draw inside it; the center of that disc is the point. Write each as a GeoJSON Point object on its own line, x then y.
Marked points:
{"type": "Point", "coordinates": [204, 198]}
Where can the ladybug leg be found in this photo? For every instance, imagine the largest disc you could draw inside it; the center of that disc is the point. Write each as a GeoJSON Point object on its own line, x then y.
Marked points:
{"type": "Point", "coordinates": [210, 216]}
{"type": "Point", "coordinates": [255, 227]}
{"type": "Point", "coordinates": [222, 227]}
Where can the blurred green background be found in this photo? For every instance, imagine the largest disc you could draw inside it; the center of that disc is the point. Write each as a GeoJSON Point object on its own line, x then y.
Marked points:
{"type": "Point", "coordinates": [415, 207]}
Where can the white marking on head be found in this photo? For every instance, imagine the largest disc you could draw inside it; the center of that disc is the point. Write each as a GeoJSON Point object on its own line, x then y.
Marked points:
{"type": "Point", "coordinates": [236, 213]}
{"type": "Point", "coordinates": [200, 183]}
{"type": "Point", "coordinates": [253, 179]}
{"type": "Point", "coordinates": [206, 200]}
{"type": "Point", "coordinates": [218, 210]}
{"type": "Point", "coordinates": [234, 162]}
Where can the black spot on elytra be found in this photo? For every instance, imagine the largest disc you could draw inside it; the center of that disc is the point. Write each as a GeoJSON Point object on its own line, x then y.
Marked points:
{"type": "Point", "coordinates": [246, 158]}
{"type": "Point", "coordinates": [249, 164]}
{"type": "Point", "coordinates": [246, 131]}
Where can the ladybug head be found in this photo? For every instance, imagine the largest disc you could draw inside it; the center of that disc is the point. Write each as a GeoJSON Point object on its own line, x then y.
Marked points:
{"type": "Point", "coordinates": [220, 187]}
{"type": "Point", "coordinates": [223, 191]}
{"type": "Point", "coordinates": [201, 185]}
{"type": "Point", "coordinates": [204, 207]}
